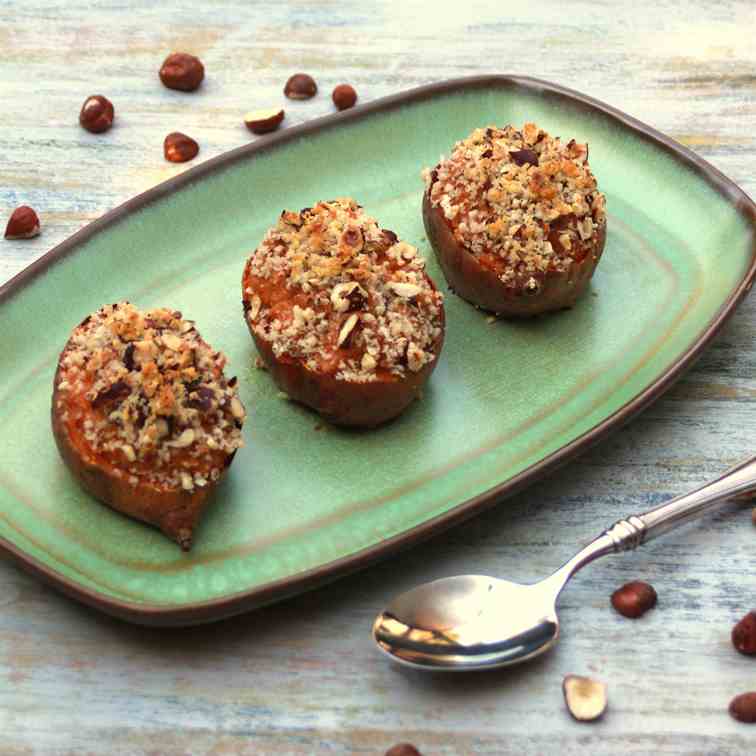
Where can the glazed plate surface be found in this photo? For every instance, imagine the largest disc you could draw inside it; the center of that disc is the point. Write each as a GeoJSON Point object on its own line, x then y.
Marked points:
{"type": "Point", "coordinates": [507, 403]}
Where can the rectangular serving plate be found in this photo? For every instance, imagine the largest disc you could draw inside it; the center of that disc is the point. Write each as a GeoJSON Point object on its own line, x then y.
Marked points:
{"type": "Point", "coordinates": [508, 402]}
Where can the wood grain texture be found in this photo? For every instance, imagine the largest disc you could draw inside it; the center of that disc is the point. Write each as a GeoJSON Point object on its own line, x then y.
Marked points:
{"type": "Point", "coordinates": [303, 677]}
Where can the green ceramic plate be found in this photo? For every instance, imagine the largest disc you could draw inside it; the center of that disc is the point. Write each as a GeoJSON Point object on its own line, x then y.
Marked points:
{"type": "Point", "coordinates": [507, 403]}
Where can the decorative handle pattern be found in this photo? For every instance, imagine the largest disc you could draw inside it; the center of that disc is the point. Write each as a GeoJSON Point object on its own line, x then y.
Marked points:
{"type": "Point", "coordinates": [628, 534]}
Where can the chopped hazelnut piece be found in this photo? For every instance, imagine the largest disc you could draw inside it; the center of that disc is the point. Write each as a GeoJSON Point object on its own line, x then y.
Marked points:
{"type": "Point", "coordinates": [347, 329]}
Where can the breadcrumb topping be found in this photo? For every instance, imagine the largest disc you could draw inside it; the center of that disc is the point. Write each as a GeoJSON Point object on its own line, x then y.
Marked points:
{"type": "Point", "coordinates": [328, 287]}
{"type": "Point", "coordinates": [522, 202]}
{"type": "Point", "coordinates": [148, 396]}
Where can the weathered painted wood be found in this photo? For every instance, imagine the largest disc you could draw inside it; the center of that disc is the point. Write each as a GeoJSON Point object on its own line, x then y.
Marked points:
{"type": "Point", "coordinates": [302, 677]}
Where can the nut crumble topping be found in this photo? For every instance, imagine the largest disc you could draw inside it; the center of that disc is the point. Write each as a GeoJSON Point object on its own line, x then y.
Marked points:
{"type": "Point", "coordinates": [522, 202]}
{"type": "Point", "coordinates": [328, 287]}
{"type": "Point", "coordinates": [144, 393]}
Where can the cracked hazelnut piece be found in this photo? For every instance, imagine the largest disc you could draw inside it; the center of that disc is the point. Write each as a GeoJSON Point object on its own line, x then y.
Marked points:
{"type": "Point", "coordinates": [263, 121]}
{"type": "Point", "coordinates": [144, 417]}
{"type": "Point", "coordinates": [179, 148]}
{"type": "Point", "coordinates": [744, 635]}
{"type": "Point", "coordinates": [585, 698]}
{"type": "Point", "coordinates": [516, 220]}
{"type": "Point", "coordinates": [634, 599]}
{"type": "Point", "coordinates": [300, 86]}
{"type": "Point", "coordinates": [182, 71]}
{"type": "Point", "coordinates": [97, 114]}
{"type": "Point", "coordinates": [344, 96]}
{"type": "Point", "coordinates": [23, 223]}
{"type": "Point", "coordinates": [343, 314]}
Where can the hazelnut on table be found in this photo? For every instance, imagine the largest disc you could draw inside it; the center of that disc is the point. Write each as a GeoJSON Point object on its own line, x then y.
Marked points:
{"type": "Point", "coordinates": [634, 599]}
{"type": "Point", "coordinates": [743, 707]}
{"type": "Point", "coordinates": [585, 697]}
{"type": "Point", "coordinates": [179, 148]}
{"type": "Point", "coordinates": [300, 86]}
{"type": "Point", "coordinates": [263, 121]}
{"type": "Point", "coordinates": [22, 224]}
{"type": "Point", "coordinates": [744, 635]}
{"type": "Point", "coordinates": [344, 96]}
{"type": "Point", "coordinates": [97, 114]}
{"type": "Point", "coordinates": [403, 749]}
{"type": "Point", "coordinates": [182, 71]}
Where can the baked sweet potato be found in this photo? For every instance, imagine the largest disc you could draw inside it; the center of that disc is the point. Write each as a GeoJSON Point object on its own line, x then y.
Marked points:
{"type": "Point", "coordinates": [343, 314]}
{"type": "Point", "coordinates": [516, 220]}
{"type": "Point", "coordinates": [144, 417]}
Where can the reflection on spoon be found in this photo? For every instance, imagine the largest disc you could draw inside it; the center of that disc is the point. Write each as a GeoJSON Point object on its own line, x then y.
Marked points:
{"type": "Point", "coordinates": [430, 626]}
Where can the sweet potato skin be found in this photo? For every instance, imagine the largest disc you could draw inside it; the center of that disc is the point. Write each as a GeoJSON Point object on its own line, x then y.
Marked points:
{"type": "Point", "coordinates": [483, 288]}
{"type": "Point", "coordinates": [345, 403]}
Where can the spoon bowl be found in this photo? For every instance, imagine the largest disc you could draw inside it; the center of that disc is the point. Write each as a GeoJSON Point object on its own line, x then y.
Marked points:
{"type": "Point", "coordinates": [467, 622]}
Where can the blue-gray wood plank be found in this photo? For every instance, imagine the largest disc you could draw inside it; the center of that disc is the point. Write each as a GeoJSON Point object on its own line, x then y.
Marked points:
{"type": "Point", "coordinates": [303, 677]}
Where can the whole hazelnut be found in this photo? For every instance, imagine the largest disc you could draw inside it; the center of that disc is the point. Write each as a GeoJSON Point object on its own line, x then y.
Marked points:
{"type": "Point", "coordinates": [263, 121]}
{"type": "Point", "coordinates": [634, 599]}
{"type": "Point", "coordinates": [182, 71]}
{"type": "Point", "coordinates": [743, 707]}
{"type": "Point", "coordinates": [178, 147]}
{"type": "Point", "coordinates": [97, 114]}
{"type": "Point", "coordinates": [744, 635]}
{"type": "Point", "coordinates": [23, 223]}
{"type": "Point", "coordinates": [300, 86]}
{"type": "Point", "coordinates": [403, 749]}
{"type": "Point", "coordinates": [344, 96]}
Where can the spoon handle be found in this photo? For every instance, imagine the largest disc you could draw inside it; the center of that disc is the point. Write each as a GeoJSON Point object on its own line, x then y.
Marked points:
{"type": "Point", "coordinates": [739, 481]}
{"type": "Point", "coordinates": [629, 533]}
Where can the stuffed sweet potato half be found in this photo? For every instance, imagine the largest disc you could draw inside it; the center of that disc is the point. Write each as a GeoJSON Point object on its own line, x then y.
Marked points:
{"type": "Point", "coordinates": [342, 313]}
{"type": "Point", "coordinates": [144, 417]}
{"type": "Point", "coordinates": [516, 220]}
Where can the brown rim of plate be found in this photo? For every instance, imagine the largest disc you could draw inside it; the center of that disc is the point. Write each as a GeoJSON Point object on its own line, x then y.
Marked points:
{"type": "Point", "coordinates": [220, 608]}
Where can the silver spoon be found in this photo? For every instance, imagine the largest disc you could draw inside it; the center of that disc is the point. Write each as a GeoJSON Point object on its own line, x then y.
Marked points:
{"type": "Point", "coordinates": [478, 622]}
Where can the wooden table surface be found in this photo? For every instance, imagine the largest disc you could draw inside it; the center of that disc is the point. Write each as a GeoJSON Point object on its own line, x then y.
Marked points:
{"type": "Point", "coordinates": [303, 677]}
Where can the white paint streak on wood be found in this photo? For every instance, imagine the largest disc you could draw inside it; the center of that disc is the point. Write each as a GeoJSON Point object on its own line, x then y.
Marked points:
{"type": "Point", "coordinates": [303, 677]}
